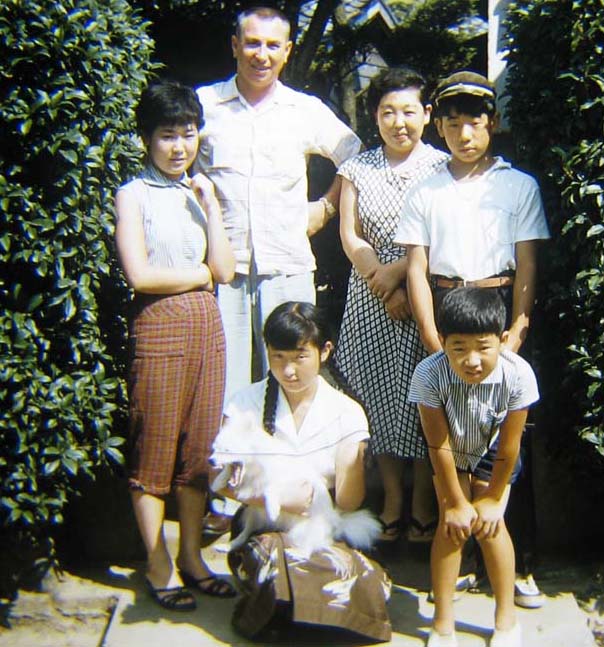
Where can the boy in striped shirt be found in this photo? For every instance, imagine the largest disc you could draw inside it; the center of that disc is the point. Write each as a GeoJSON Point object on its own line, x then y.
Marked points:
{"type": "Point", "coordinates": [473, 398]}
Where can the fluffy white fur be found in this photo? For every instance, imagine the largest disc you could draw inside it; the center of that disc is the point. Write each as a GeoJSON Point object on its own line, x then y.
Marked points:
{"type": "Point", "coordinates": [268, 466]}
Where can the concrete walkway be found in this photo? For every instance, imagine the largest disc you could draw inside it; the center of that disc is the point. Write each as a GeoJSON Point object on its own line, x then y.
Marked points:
{"type": "Point", "coordinates": [139, 622]}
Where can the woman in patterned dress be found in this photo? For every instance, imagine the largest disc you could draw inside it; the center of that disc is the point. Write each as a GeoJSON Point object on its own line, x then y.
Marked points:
{"type": "Point", "coordinates": [379, 345]}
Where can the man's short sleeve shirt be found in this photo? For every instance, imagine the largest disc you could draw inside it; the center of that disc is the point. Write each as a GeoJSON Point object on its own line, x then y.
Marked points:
{"type": "Point", "coordinates": [472, 227]}
{"type": "Point", "coordinates": [256, 157]}
{"type": "Point", "coordinates": [474, 412]}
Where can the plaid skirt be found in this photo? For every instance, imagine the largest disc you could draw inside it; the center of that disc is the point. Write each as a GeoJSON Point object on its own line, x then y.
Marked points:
{"type": "Point", "coordinates": [175, 388]}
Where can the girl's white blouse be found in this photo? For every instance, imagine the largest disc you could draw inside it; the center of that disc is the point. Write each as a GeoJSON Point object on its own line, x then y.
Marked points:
{"type": "Point", "coordinates": [331, 418]}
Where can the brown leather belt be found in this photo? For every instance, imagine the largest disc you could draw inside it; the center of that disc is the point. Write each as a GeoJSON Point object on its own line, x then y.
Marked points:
{"type": "Point", "coordinates": [492, 282]}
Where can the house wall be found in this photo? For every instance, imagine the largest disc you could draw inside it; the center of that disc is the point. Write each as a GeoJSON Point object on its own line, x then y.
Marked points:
{"type": "Point", "coordinates": [496, 54]}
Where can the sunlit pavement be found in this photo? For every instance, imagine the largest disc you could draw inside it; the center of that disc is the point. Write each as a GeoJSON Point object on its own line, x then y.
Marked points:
{"type": "Point", "coordinates": [140, 622]}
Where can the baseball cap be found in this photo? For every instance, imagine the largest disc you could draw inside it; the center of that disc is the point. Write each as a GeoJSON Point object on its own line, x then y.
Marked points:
{"type": "Point", "coordinates": [465, 82]}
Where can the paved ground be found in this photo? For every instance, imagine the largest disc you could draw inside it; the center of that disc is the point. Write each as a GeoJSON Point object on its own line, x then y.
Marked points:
{"type": "Point", "coordinates": [69, 612]}
{"type": "Point", "coordinates": [138, 622]}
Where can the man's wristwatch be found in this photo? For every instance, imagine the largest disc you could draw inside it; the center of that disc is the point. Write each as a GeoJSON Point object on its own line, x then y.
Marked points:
{"type": "Point", "coordinates": [330, 210]}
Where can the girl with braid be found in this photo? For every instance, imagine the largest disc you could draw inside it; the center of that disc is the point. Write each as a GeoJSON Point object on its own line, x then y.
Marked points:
{"type": "Point", "coordinates": [336, 586]}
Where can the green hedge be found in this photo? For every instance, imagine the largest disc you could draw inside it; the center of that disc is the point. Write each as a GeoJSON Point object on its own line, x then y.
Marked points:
{"type": "Point", "coordinates": [557, 116]}
{"type": "Point", "coordinates": [71, 72]}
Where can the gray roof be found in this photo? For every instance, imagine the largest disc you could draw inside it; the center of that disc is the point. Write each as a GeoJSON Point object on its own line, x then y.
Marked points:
{"type": "Point", "coordinates": [360, 12]}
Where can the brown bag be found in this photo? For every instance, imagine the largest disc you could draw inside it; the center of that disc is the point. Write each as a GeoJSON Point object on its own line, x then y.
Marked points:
{"type": "Point", "coordinates": [280, 586]}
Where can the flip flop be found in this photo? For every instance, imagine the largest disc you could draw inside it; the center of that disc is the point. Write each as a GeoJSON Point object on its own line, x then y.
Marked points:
{"type": "Point", "coordinates": [419, 533]}
{"type": "Point", "coordinates": [390, 531]}
{"type": "Point", "coordinates": [175, 598]}
{"type": "Point", "coordinates": [210, 585]}
{"type": "Point", "coordinates": [462, 584]}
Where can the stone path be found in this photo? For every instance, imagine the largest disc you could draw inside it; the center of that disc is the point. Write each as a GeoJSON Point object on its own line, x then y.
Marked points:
{"type": "Point", "coordinates": [69, 611]}
{"type": "Point", "coordinates": [139, 622]}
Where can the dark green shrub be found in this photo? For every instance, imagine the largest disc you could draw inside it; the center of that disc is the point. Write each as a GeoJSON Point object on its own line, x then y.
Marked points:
{"type": "Point", "coordinates": [557, 117]}
{"type": "Point", "coordinates": [70, 74]}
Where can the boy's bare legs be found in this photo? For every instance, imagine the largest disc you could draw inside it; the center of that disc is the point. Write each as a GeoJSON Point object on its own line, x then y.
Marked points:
{"type": "Point", "coordinates": [498, 554]}
{"type": "Point", "coordinates": [445, 560]}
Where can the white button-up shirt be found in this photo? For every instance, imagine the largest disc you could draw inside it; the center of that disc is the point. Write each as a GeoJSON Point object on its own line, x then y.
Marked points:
{"type": "Point", "coordinates": [256, 157]}
{"type": "Point", "coordinates": [472, 227]}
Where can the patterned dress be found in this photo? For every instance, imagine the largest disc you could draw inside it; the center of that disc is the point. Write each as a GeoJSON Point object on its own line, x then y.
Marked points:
{"type": "Point", "coordinates": [376, 354]}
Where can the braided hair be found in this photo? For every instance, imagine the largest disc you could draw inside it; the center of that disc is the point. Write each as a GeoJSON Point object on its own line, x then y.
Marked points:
{"type": "Point", "coordinates": [287, 327]}
{"type": "Point", "coordinates": [270, 404]}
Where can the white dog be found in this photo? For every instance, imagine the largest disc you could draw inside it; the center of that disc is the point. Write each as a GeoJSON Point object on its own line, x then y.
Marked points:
{"type": "Point", "coordinates": [259, 465]}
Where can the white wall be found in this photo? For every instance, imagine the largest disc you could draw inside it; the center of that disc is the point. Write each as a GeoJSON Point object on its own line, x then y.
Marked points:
{"type": "Point", "coordinates": [496, 53]}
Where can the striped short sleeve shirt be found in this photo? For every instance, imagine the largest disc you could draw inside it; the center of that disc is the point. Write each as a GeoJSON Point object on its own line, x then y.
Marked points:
{"type": "Point", "coordinates": [174, 223]}
{"type": "Point", "coordinates": [475, 412]}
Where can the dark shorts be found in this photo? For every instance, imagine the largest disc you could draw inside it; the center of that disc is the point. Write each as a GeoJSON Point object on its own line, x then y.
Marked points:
{"type": "Point", "coordinates": [484, 469]}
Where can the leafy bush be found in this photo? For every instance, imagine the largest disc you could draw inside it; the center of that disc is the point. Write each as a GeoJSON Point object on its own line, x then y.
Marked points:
{"type": "Point", "coordinates": [70, 73]}
{"type": "Point", "coordinates": [557, 117]}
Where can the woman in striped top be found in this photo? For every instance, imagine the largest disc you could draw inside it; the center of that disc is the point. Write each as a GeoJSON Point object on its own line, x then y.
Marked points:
{"type": "Point", "coordinates": [173, 249]}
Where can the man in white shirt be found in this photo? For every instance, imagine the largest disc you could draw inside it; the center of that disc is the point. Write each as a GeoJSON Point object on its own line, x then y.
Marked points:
{"type": "Point", "coordinates": [255, 143]}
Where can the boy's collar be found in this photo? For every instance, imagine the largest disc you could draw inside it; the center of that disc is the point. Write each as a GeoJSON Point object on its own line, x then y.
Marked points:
{"type": "Point", "coordinates": [498, 163]}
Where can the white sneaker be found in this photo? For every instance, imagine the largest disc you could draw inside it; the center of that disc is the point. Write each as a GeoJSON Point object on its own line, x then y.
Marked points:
{"type": "Point", "coordinates": [509, 638]}
{"type": "Point", "coordinates": [439, 640]}
{"type": "Point", "coordinates": [527, 593]}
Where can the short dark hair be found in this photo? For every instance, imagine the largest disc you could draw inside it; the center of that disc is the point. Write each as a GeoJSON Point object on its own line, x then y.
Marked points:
{"type": "Point", "coordinates": [296, 322]}
{"type": "Point", "coordinates": [167, 103]}
{"type": "Point", "coordinates": [465, 92]}
{"type": "Point", "coordinates": [391, 80]}
{"type": "Point", "coordinates": [471, 311]}
{"type": "Point", "coordinates": [262, 11]}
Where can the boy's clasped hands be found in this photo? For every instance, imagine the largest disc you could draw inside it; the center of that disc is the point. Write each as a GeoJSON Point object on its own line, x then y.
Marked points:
{"type": "Point", "coordinates": [482, 518]}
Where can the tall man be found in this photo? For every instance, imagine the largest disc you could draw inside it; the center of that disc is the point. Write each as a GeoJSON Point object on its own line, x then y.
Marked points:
{"type": "Point", "coordinates": [258, 134]}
